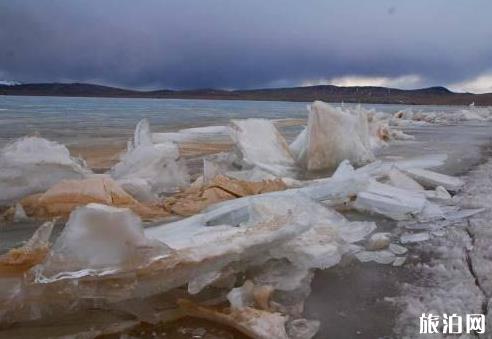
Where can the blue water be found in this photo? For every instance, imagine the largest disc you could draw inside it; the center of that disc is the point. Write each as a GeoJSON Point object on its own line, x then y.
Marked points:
{"type": "Point", "coordinates": [99, 120]}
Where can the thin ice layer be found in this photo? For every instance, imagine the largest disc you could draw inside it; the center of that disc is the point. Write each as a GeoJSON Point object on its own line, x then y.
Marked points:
{"type": "Point", "coordinates": [262, 145]}
{"type": "Point", "coordinates": [433, 179]}
{"type": "Point", "coordinates": [392, 202]}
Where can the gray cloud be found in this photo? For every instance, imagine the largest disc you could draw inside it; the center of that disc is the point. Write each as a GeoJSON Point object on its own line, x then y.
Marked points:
{"type": "Point", "coordinates": [242, 44]}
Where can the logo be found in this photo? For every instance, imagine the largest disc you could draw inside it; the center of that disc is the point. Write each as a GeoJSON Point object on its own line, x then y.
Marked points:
{"type": "Point", "coordinates": [452, 324]}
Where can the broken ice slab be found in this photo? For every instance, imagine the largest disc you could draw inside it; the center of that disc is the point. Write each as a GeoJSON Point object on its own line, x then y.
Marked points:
{"type": "Point", "coordinates": [262, 145]}
{"type": "Point", "coordinates": [332, 135]}
{"type": "Point", "coordinates": [381, 257]}
{"type": "Point", "coordinates": [380, 168]}
{"type": "Point", "coordinates": [98, 238]}
{"type": "Point", "coordinates": [433, 179]}
{"type": "Point", "coordinates": [399, 261]}
{"type": "Point", "coordinates": [392, 202]}
{"type": "Point", "coordinates": [344, 170]}
{"type": "Point", "coordinates": [400, 180]}
{"type": "Point", "coordinates": [414, 237]}
{"type": "Point", "coordinates": [142, 135]}
{"type": "Point", "coordinates": [452, 216]}
{"type": "Point", "coordinates": [63, 197]}
{"type": "Point", "coordinates": [282, 275]}
{"type": "Point", "coordinates": [250, 295]}
{"type": "Point", "coordinates": [32, 164]}
{"type": "Point", "coordinates": [221, 188]}
{"type": "Point", "coordinates": [30, 254]}
{"type": "Point", "coordinates": [397, 249]}
{"type": "Point", "coordinates": [254, 323]}
{"type": "Point", "coordinates": [440, 194]}
{"type": "Point", "coordinates": [378, 241]}
{"type": "Point", "coordinates": [159, 165]}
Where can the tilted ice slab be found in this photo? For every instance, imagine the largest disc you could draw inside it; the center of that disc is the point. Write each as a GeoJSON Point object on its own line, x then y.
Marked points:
{"type": "Point", "coordinates": [381, 169]}
{"type": "Point", "coordinates": [147, 165]}
{"type": "Point", "coordinates": [94, 260]}
{"type": "Point", "coordinates": [32, 165]}
{"type": "Point", "coordinates": [262, 145]}
{"type": "Point", "coordinates": [433, 179]}
{"type": "Point", "coordinates": [332, 135]}
{"type": "Point", "coordinates": [392, 202]}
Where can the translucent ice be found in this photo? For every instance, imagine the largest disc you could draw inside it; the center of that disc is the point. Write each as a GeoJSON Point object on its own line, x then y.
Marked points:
{"type": "Point", "coordinates": [392, 202]}
{"type": "Point", "coordinates": [332, 135]}
{"type": "Point", "coordinates": [159, 165]}
{"type": "Point", "coordinates": [99, 238]}
{"type": "Point", "coordinates": [32, 164]}
{"type": "Point", "coordinates": [434, 179]}
{"type": "Point", "coordinates": [262, 145]}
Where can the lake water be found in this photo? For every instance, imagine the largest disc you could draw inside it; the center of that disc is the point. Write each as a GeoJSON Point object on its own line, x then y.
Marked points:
{"type": "Point", "coordinates": [100, 120]}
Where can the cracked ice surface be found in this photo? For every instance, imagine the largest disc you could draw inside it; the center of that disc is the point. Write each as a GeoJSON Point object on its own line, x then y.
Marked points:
{"type": "Point", "coordinates": [456, 278]}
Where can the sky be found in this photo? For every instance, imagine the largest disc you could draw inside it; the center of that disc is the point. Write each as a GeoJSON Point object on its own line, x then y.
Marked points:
{"type": "Point", "coordinates": [232, 44]}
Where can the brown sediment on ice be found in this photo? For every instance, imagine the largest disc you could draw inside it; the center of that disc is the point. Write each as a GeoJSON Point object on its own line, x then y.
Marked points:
{"type": "Point", "coordinates": [254, 323]}
{"type": "Point", "coordinates": [33, 252]}
{"type": "Point", "coordinates": [220, 188]}
{"type": "Point", "coordinates": [99, 158]}
{"type": "Point", "coordinates": [62, 198]}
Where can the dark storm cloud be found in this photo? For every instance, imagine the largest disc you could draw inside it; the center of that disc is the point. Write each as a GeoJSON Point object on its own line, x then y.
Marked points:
{"type": "Point", "coordinates": [241, 44]}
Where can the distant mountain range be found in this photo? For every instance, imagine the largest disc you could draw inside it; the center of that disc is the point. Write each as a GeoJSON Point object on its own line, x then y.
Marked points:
{"type": "Point", "coordinates": [329, 93]}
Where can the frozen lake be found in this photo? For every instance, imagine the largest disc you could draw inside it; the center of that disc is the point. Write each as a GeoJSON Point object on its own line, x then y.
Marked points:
{"type": "Point", "coordinates": [348, 299]}
{"type": "Point", "coordinates": [99, 120]}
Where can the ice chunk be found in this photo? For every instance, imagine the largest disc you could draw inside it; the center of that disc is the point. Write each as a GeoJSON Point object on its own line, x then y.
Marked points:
{"type": "Point", "coordinates": [380, 169]}
{"type": "Point", "coordinates": [99, 238]}
{"type": "Point", "coordinates": [414, 237]}
{"type": "Point", "coordinates": [381, 257]}
{"type": "Point", "coordinates": [197, 284]}
{"type": "Point", "coordinates": [440, 194]}
{"type": "Point", "coordinates": [433, 179]}
{"type": "Point", "coordinates": [344, 170]}
{"type": "Point", "coordinates": [32, 164]}
{"type": "Point", "coordinates": [392, 202]}
{"type": "Point", "coordinates": [281, 275]}
{"type": "Point", "coordinates": [32, 253]}
{"type": "Point", "coordinates": [242, 297]}
{"type": "Point", "coordinates": [320, 247]}
{"type": "Point", "coordinates": [302, 328]}
{"type": "Point", "coordinates": [159, 165]}
{"type": "Point", "coordinates": [378, 241]}
{"type": "Point", "coordinates": [139, 189]}
{"type": "Point", "coordinates": [399, 261]}
{"type": "Point", "coordinates": [397, 249]}
{"type": "Point", "coordinates": [221, 188]}
{"type": "Point", "coordinates": [67, 195]}
{"type": "Point", "coordinates": [142, 136]}
{"type": "Point", "coordinates": [333, 135]}
{"type": "Point", "coordinates": [354, 231]}
{"type": "Point", "coordinates": [298, 147]}
{"type": "Point", "coordinates": [399, 179]}
{"type": "Point", "coordinates": [262, 145]}
{"type": "Point", "coordinates": [251, 322]}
